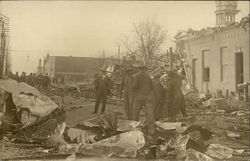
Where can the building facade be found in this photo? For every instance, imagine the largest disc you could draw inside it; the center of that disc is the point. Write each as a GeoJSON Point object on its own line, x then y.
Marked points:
{"type": "Point", "coordinates": [72, 68]}
{"type": "Point", "coordinates": [218, 57]}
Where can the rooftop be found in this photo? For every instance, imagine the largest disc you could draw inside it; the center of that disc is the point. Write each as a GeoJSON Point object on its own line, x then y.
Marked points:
{"type": "Point", "coordinates": [244, 23]}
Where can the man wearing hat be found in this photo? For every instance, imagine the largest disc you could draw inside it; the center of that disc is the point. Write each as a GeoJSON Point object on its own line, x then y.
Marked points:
{"type": "Point", "coordinates": [143, 88]}
{"type": "Point", "coordinates": [158, 96]}
{"type": "Point", "coordinates": [128, 91]}
{"type": "Point", "coordinates": [102, 86]}
{"type": "Point", "coordinates": [176, 98]}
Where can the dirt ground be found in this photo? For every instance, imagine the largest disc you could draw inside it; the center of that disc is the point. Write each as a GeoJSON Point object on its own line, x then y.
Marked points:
{"type": "Point", "coordinates": [80, 110]}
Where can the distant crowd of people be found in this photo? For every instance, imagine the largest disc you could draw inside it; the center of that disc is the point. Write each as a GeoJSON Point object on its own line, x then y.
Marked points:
{"type": "Point", "coordinates": [33, 79]}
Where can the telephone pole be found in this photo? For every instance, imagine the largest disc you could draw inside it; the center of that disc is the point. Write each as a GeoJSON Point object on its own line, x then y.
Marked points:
{"type": "Point", "coordinates": [3, 40]}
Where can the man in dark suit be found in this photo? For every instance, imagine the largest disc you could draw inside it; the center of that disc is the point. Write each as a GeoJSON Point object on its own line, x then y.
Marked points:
{"type": "Point", "coordinates": [127, 87]}
{"type": "Point", "coordinates": [176, 98]}
{"type": "Point", "coordinates": [143, 90]}
{"type": "Point", "coordinates": [158, 97]}
{"type": "Point", "coordinates": [102, 86]}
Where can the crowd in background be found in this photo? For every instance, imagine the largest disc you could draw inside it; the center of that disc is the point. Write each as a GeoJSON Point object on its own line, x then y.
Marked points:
{"type": "Point", "coordinates": [33, 79]}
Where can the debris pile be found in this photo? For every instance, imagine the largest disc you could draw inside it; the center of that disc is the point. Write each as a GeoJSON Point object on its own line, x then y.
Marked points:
{"type": "Point", "coordinates": [28, 118]}
{"type": "Point", "coordinates": [193, 103]}
{"type": "Point", "coordinates": [44, 133]}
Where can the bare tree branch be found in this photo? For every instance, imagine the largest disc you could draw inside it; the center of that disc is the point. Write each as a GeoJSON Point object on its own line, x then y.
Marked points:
{"type": "Point", "coordinates": [148, 39]}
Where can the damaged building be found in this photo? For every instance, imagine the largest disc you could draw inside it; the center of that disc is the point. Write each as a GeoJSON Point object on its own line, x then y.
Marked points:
{"type": "Point", "coordinates": [218, 56]}
{"type": "Point", "coordinates": [72, 68]}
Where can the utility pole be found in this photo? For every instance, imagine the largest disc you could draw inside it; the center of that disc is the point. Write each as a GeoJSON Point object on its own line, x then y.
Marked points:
{"type": "Point", "coordinates": [2, 49]}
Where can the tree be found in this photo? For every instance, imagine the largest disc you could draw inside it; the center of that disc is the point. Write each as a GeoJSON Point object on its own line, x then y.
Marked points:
{"type": "Point", "coordinates": [148, 38]}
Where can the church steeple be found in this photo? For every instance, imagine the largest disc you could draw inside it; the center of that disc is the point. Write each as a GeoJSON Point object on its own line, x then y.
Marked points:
{"type": "Point", "coordinates": [40, 67]}
{"type": "Point", "coordinates": [225, 12]}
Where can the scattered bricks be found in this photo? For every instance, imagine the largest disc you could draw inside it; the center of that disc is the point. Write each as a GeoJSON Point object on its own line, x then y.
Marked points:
{"type": "Point", "coordinates": [208, 103]}
{"type": "Point", "coordinates": [220, 103]}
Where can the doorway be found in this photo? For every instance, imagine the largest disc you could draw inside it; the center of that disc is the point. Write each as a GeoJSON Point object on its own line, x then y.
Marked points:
{"type": "Point", "coordinates": [194, 73]}
{"type": "Point", "coordinates": [239, 73]}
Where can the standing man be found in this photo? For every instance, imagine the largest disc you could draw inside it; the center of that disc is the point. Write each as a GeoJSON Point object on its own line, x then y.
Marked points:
{"type": "Point", "coordinates": [182, 75]}
{"type": "Point", "coordinates": [23, 77]}
{"type": "Point", "coordinates": [39, 81]}
{"type": "Point", "coordinates": [127, 86]}
{"type": "Point", "coordinates": [16, 76]}
{"type": "Point", "coordinates": [29, 79]}
{"type": "Point", "coordinates": [176, 97]}
{"type": "Point", "coordinates": [158, 97]}
{"type": "Point", "coordinates": [102, 85]}
{"type": "Point", "coordinates": [164, 113]}
{"type": "Point", "coordinates": [46, 81]}
{"type": "Point", "coordinates": [143, 87]}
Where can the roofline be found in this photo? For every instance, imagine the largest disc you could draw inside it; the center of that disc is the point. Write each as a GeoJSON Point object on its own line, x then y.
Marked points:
{"type": "Point", "coordinates": [77, 57]}
{"type": "Point", "coordinates": [198, 37]}
{"type": "Point", "coordinates": [224, 29]}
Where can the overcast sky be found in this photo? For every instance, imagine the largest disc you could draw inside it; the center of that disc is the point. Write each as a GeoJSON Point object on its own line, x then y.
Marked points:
{"type": "Point", "coordinates": [85, 28]}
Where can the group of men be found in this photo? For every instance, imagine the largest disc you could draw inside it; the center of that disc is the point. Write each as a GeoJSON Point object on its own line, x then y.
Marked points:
{"type": "Point", "coordinates": [161, 96]}
{"type": "Point", "coordinates": [103, 85]}
{"type": "Point", "coordinates": [39, 81]}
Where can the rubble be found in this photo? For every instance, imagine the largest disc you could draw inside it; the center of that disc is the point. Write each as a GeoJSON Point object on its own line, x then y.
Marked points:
{"type": "Point", "coordinates": [191, 138]}
{"type": "Point", "coordinates": [193, 155]}
{"type": "Point", "coordinates": [128, 125]}
{"type": "Point", "coordinates": [219, 152]}
{"type": "Point", "coordinates": [192, 100]}
{"type": "Point", "coordinates": [232, 134]}
{"type": "Point", "coordinates": [29, 104]}
{"type": "Point", "coordinates": [122, 145]}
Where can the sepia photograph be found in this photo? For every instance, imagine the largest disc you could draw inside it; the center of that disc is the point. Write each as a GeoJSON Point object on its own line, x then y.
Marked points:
{"type": "Point", "coordinates": [124, 80]}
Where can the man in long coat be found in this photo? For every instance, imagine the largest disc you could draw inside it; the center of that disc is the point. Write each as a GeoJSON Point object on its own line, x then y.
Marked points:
{"type": "Point", "coordinates": [127, 86]}
{"type": "Point", "coordinates": [158, 97]}
{"type": "Point", "coordinates": [143, 87]}
{"type": "Point", "coordinates": [102, 85]}
{"type": "Point", "coordinates": [176, 98]}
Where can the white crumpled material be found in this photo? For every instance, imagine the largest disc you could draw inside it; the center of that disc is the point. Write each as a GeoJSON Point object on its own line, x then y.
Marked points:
{"type": "Point", "coordinates": [168, 125]}
{"type": "Point", "coordinates": [128, 125]}
{"type": "Point", "coordinates": [27, 97]}
{"type": "Point", "coordinates": [193, 155]}
{"type": "Point", "coordinates": [122, 145]}
{"type": "Point", "coordinates": [219, 151]}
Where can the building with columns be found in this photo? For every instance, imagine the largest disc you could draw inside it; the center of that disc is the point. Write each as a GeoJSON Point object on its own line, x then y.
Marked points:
{"type": "Point", "coordinates": [225, 12]}
{"type": "Point", "coordinates": [218, 57]}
